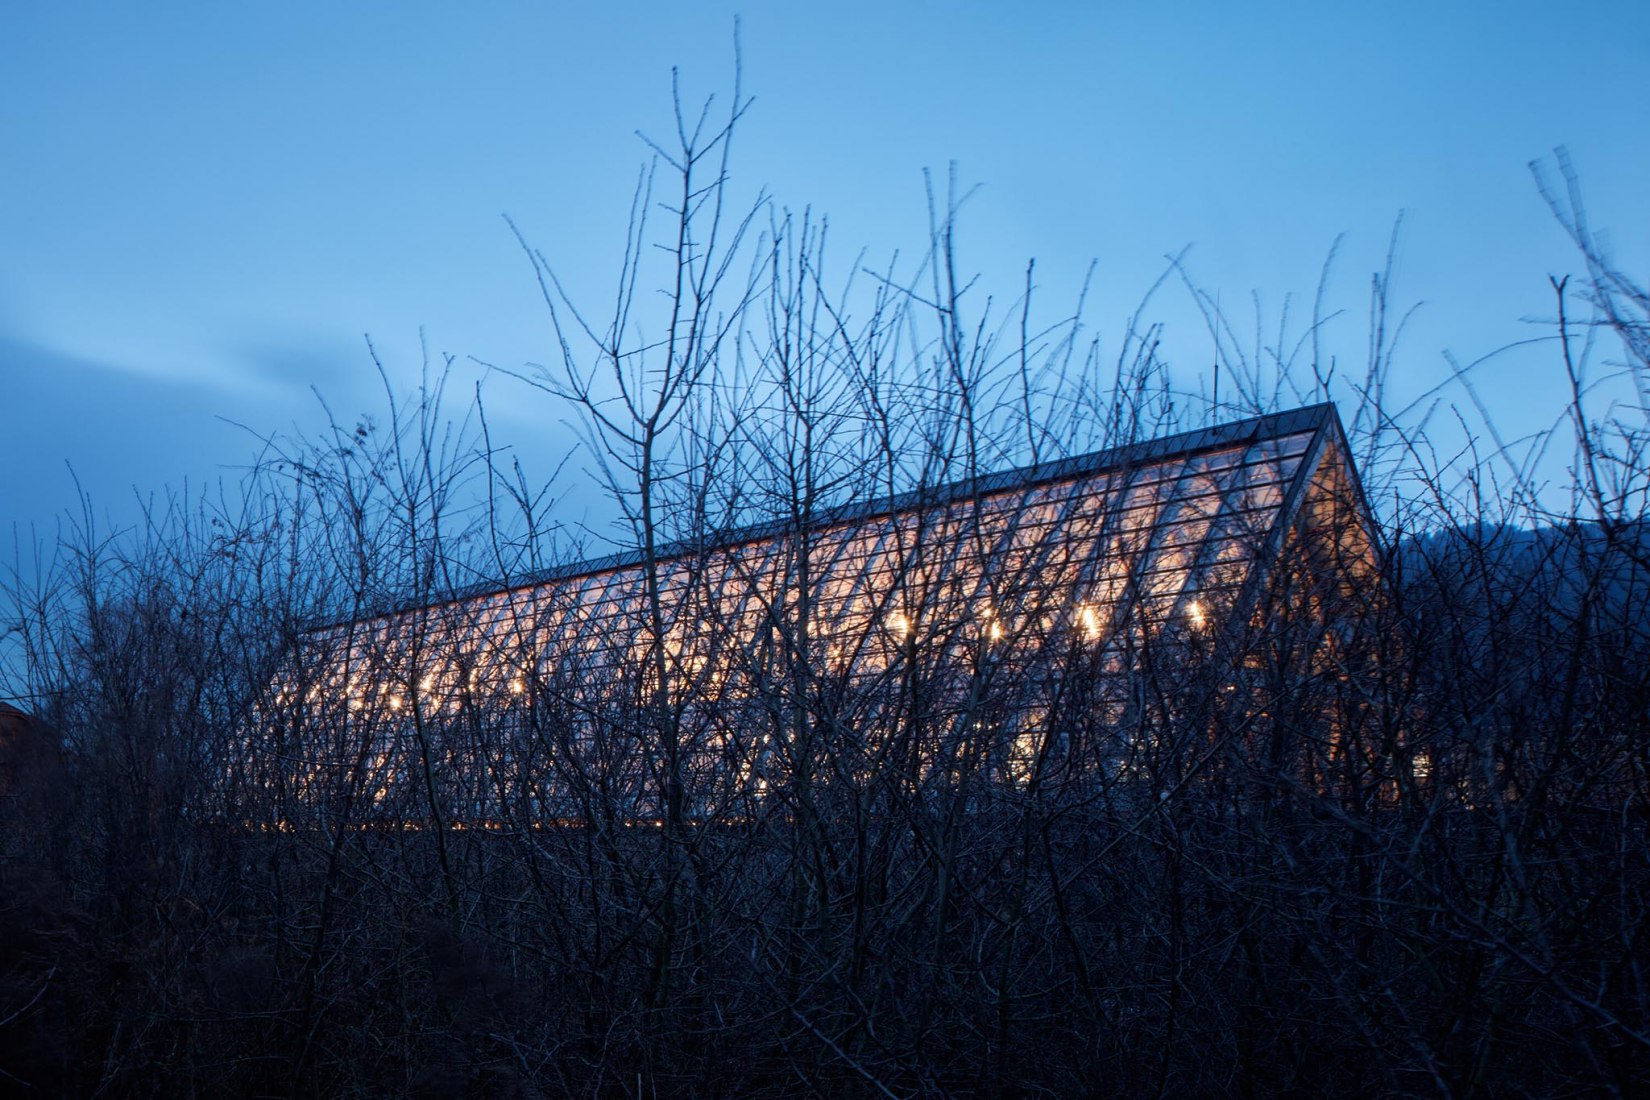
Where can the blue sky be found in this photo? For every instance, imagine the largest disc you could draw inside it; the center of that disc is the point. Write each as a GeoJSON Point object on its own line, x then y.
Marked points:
{"type": "Point", "coordinates": [205, 207]}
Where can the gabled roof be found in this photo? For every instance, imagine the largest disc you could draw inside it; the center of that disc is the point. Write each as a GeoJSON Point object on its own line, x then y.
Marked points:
{"type": "Point", "coordinates": [1185, 445]}
{"type": "Point", "coordinates": [1313, 428]}
{"type": "Point", "coordinates": [1171, 527]}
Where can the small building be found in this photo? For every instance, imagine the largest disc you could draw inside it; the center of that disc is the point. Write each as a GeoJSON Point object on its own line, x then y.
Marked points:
{"type": "Point", "coordinates": [992, 631]}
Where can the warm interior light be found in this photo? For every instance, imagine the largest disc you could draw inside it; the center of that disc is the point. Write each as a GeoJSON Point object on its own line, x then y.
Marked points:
{"type": "Point", "coordinates": [899, 625]}
{"type": "Point", "coordinates": [1194, 612]}
{"type": "Point", "coordinates": [1089, 619]}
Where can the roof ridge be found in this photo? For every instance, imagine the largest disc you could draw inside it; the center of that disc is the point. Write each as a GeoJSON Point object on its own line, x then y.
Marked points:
{"type": "Point", "coordinates": [1120, 456]}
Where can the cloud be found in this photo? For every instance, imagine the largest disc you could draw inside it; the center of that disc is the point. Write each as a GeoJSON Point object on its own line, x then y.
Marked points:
{"type": "Point", "coordinates": [124, 432]}
{"type": "Point", "coordinates": [294, 363]}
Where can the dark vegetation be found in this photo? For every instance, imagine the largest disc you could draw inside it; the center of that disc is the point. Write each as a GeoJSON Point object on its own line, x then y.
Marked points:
{"type": "Point", "coordinates": [1389, 838]}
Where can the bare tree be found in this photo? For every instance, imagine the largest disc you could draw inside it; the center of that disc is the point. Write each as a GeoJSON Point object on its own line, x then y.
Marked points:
{"type": "Point", "coordinates": [861, 767]}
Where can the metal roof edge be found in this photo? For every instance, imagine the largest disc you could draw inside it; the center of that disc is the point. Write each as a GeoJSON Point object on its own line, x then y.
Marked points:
{"type": "Point", "coordinates": [1121, 457]}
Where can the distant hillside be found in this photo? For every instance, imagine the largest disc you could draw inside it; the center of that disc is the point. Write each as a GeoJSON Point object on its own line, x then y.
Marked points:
{"type": "Point", "coordinates": [1553, 571]}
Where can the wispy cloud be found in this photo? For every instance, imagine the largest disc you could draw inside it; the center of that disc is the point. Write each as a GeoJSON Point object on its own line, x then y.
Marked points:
{"type": "Point", "coordinates": [121, 429]}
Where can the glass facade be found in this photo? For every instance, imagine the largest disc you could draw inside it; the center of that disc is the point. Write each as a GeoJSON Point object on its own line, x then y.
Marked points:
{"type": "Point", "coordinates": [953, 632]}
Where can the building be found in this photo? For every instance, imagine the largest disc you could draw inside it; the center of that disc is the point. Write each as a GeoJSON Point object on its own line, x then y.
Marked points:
{"type": "Point", "coordinates": [995, 632]}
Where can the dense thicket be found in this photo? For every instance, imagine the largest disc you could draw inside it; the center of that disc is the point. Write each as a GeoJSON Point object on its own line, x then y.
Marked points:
{"type": "Point", "coordinates": [1388, 837]}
